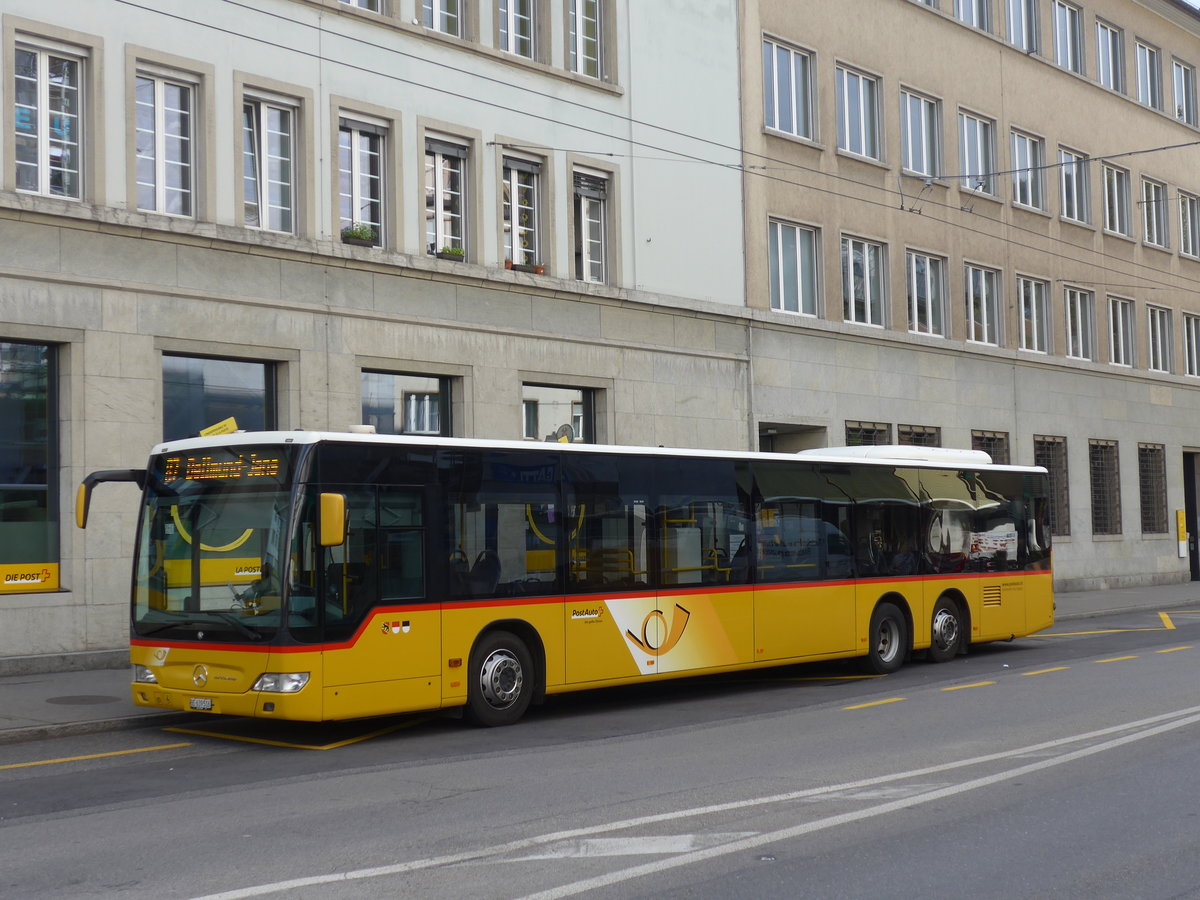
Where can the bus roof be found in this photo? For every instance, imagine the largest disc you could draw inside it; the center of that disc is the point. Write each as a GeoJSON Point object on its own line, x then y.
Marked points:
{"type": "Point", "coordinates": [902, 455]}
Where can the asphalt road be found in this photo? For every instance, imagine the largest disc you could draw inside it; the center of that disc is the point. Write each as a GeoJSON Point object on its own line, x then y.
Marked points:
{"type": "Point", "coordinates": [1063, 765]}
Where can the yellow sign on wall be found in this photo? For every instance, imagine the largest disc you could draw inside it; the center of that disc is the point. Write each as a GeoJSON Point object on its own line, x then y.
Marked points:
{"type": "Point", "coordinates": [18, 577]}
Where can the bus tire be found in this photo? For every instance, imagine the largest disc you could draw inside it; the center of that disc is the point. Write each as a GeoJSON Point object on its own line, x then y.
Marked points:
{"type": "Point", "coordinates": [887, 640]}
{"type": "Point", "coordinates": [502, 680]}
{"type": "Point", "coordinates": [945, 630]}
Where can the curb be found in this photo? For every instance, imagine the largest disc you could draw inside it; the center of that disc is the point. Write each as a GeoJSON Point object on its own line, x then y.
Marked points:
{"type": "Point", "coordinates": [96, 726]}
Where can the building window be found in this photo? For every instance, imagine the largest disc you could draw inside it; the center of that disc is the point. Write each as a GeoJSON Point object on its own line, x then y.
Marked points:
{"type": "Point", "coordinates": [1081, 324]}
{"type": "Point", "coordinates": [1075, 189]}
{"type": "Point", "coordinates": [862, 281]}
{"type": "Point", "coordinates": [164, 145]}
{"type": "Point", "coordinates": [591, 226]}
{"type": "Point", "coordinates": [1023, 24]}
{"type": "Point", "coordinates": [858, 113]}
{"type": "Point", "coordinates": [1110, 57]}
{"type": "Point", "coordinates": [1116, 200]}
{"type": "Point", "coordinates": [372, 5]}
{"type": "Point", "coordinates": [993, 443]}
{"type": "Point", "coordinates": [983, 305]}
{"type": "Point", "coordinates": [1184, 77]}
{"type": "Point", "coordinates": [1050, 452]}
{"type": "Point", "coordinates": [1028, 160]}
{"type": "Point", "coordinates": [202, 391]}
{"type": "Point", "coordinates": [1191, 344]}
{"type": "Point", "coordinates": [1123, 339]}
{"type": "Point", "coordinates": [920, 134]}
{"type": "Point", "coordinates": [1068, 35]}
{"type": "Point", "coordinates": [1149, 76]}
{"type": "Point", "coordinates": [926, 293]}
{"type": "Point", "coordinates": [397, 403]}
{"type": "Point", "coordinates": [1189, 225]}
{"type": "Point", "coordinates": [444, 16]}
{"type": "Point", "coordinates": [787, 89]}
{"type": "Point", "coordinates": [28, 468]}
{"type": "Point", "coordinates": [360, 176]}
{"type": "Point", "coordinates": [793, 261]}
{"type": "Point", "coordinates": [1104, 474]}
{"type": "Point", "coordinates": [976, 158]}
{"type": "Point", "coordinates": [1154, 213]}
{"type": "Point", "coordinates": [521, 191]}
{"type": "Point", "coordinates": [517, 27]}
{"type": "Point", "coordinates": [868, 434]}
{"type": "Point", "coordinates": [1152, 485]}
{"type": "Point", "coordinates": [584, 36]}
{"type": "Point", "coordinates": [554, 413]}
{"type": "Point", "coordinates": [919, 435]}
{"type": "Point", "coordinates": [973, 13]}
{"type": "Point", "coordinates": [48, 107]}
{"type": "Point", "coordinates": [268, 165]}
{"type": "Point", "coordinates": [1035, 331]}
{"type": "Point", "coordinates": [1160, 340]}
{"type": "Point", "coordinates": [445, 198]}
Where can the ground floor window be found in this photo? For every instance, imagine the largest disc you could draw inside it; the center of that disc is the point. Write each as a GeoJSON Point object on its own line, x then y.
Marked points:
{"type": "Point", "coordinates": [994, 443]}
{"type": "Point", "coordinates": [859, 434]}
{"type": "Point", "coordinates": [1050, 451]}
{"type": "Point", "coordinates": [553, 413]}
{"type": "Point", "coordinates": [399, 403]}
{"type": "Point", "coordinates": [1106, 489]}
{"type": "Point", "coordinates": [199, 392]}
{"type": "Point", "coordinates": [1152, 484]}
{"type": "Point", "coordinates": [28, 469]}
{"type": "Point", "coordinates": [919, 435]}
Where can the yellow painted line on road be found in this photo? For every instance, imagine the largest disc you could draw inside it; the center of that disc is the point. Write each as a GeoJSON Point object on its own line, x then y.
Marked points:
{"type": "Point", "coordinates": [68, 759]}
{"type": "Point", "coordinates": [1116, 659]}
{"type": "Point", "coordinates": [294, 746]}
{"type": "Point", "coordinates": [1166, 620]}
{"type": "Point", "coordinates": [877, 703]}
{"type": "Point", "coordinates": [1173, 649]}
{"type": "Point", "coordinates": [1083, 633]}
{"type": "Point", "coordinates": [963, 687]}
{"type": "Point", "coordinates": [1047, 671]}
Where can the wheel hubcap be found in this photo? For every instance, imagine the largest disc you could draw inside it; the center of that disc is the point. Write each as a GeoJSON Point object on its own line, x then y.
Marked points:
{"type": "Point", "coordinates": [501, 679]}
{"type": "Point", "coordinates": [889, 640]}
{"type": "Point", "coordinates": [945, 629]}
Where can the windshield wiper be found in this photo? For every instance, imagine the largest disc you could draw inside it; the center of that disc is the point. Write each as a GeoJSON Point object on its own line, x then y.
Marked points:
{"type": "Point", "coordinates": [228, 618]}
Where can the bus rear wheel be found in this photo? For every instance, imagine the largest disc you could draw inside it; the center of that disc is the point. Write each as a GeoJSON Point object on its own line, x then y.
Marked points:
{"type": "Point", "coordinates": [887, 640]}
{"type": "Point", "coordinates": [502, 680]}
{"type": "Point", "coordinates": [945, 630]}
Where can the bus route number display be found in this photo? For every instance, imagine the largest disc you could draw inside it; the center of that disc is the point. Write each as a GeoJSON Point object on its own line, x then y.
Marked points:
{"type": "Point", "coordinates": [221, 467]}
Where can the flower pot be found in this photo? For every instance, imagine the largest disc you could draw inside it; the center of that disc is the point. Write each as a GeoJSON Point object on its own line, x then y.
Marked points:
{"type": "Point", "coordinates": [457, 257]}
{"type": "Point", "coordinates": [358, 242]}
{"type": "Point", "coordinates": [508, 264]}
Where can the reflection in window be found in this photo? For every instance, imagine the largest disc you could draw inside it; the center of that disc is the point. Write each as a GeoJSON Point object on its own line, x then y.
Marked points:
{"type": "Point", "coordinates": [47, 108]}
{"type": "Point", "coordinates": [406, 404]}
{"type": "Point", "coordinates": [553, 413]}
{"type": "Point", "coordinates": [200, 391]}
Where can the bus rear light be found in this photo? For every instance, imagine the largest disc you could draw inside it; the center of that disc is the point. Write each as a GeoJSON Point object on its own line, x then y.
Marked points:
{"type": "Point", "coordinates": [281, 682]}
{"type": "Point", "coordinates": [143, 675]}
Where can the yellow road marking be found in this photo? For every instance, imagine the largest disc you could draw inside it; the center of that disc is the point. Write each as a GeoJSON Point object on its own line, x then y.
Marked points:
{"type": "Point", "coordinates": [267, 742]}
{"type": "Point", "coordinates": [67, 759]}
{"type": "Point", "coordinates": [1045, 671]}
{"type": "Point", "coordinates": [834, 678]}
{"type": "Point", "coordinates": [877, 703]}
{"type": "Point", "coordinates": [1116, 659]}
{"type": "Point", "coordinates": [1082, 633]}
{"type": "Point", "coordinates": [1172, 649]}
{"type": "Point", "coordinates": [963, 687]}
{"type": "Point", "coordinates": [1166, 620]}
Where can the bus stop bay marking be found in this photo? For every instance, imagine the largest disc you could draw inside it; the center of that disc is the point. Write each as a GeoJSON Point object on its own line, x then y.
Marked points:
{"type": "Point", "coordinates": [269, 742]}
{"type": "Point", "coordinates": [111, 753]}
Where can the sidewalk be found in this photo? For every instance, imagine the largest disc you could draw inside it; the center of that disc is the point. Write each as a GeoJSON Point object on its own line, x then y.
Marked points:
{"type": "Point", "coordinates": [51, 704]}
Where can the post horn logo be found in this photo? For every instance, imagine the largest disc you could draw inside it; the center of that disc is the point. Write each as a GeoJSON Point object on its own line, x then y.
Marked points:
{"type": "Point", "coordinates": [679, 622]}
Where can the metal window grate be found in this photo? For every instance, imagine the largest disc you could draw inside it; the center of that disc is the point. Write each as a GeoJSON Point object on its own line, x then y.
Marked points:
{"type": "Point", "coordinates": [1152, 484]}
{"type": "Point", "coordinates": [1050, 452]}
{"type": "Point", "coordinates": [1106, 487]}
{"type": "Point", "coordinates": [994, 443]}
{"type": "Point", "coordinates": [862, 434]}
{"type": "Point", "coordinates": [919, 435]}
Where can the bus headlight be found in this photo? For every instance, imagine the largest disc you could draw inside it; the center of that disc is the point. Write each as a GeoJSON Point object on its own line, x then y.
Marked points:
{"type": "Point", "coordinates": [143, 675]}
{"type": "Point", "coordinates": [281, 682]}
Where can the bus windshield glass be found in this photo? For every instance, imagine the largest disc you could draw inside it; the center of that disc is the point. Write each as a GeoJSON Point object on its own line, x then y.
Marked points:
{"type": "Point", "coordinates": [210, 546]}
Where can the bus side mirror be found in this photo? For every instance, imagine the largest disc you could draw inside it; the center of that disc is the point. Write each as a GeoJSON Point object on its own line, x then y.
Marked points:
{"type": "Point", "coordinates": [83, 496]}
{"type": "Point", "coordinates": [333, 520]}
{"type": "Point", "coordinates": [83, 500]}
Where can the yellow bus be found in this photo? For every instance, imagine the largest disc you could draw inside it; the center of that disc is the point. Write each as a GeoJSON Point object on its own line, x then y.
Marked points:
{"type": "Point", "coordinates": [319, 576]}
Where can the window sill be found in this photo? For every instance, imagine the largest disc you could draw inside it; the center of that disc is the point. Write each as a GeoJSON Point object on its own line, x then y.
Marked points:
{"type": "Point", "coordinates": [519, 267]}
{"type": "Point", "coordinates": [453, 257]}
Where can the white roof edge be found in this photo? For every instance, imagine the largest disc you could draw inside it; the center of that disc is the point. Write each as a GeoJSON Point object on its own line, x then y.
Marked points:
{"type": "Point", "coordinates": [905, 453]}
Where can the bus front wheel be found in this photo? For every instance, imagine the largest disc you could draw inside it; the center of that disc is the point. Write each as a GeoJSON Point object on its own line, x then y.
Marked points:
{"type": "Point", "coordinates": [887, 640]}
{"type": "Point", "coordinates": [945, 630]}
{"type": "Point", "coordinates": [502, 680]}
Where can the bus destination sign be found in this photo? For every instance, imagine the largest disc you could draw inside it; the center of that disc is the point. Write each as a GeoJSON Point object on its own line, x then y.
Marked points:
{"type": "Point", "coordinates": [222, 466]}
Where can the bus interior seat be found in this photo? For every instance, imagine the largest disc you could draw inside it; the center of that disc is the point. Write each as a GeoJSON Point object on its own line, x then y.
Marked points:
{"type": "Point", "coordinates": [485, 574]}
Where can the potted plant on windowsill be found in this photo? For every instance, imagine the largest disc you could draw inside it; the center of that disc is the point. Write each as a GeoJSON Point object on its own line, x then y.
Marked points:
{"type": "Point", "coordinates": [359, 234]}
{"type": "Point", "coordinates": [534, 269]}
{"type": "Point", "coordinates": [458, 254]}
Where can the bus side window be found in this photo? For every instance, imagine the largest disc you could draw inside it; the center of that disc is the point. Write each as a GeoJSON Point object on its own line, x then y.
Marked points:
{"type": "Point", "coordinates": [401, 545]}
{"type": "Point", "coordinates": [351, 574]}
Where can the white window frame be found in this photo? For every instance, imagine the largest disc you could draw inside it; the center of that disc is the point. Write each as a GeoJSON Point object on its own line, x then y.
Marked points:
{"type": "Point", "coordinates": [1155, 228]}
{"type": "Point", "coordinates": [1068, 35]}
{"type": "Point", "coordinates": [1023, 25]}
{"type": "Point", "coordinates": [1075, 194]}
{"type": "Point", "coordinates": [1033, 296]}
{"type": "Point", "coordinates": [926, 278]}
{"type": "Point", "coordinates": [982, 290]}
{"type": "Point", "coordinates": [1122, 334]}
{"type": "Point", "coordinates": [443, 16]}
{"type": "Point", "coordinates": [791, 114]}
{"type": "Point", "coordinates": [585, 51]}
{"type": "Point", "coordinates": [591, 191]}
{"type": "Point", "coordinates": [522, 239]}
{"type": "Point", "coordinates": [865, 306]}
{"type": "Point", "coordinates": [371, 5]}
{"type": "Point", "coordinates": [1191, 344]}
{"type": "Point", "coordinates": [795, 287]}
{"type": "Point", "coordinates": [1183, 77]}
{"type": "Point", "coordinates": [1080, 308]}
{"type": "Point", "coordinates": [444, 160]}
{"type": "Point", "coordinates": [1028, 170]}
{"type": "Point", "coordinates": [858, 113]}
{"type": "Point", "coordinates": [280, 216]}
{"type": "Point", "coordinates": [1110, 57]}
{"type": "Point", "coordinates": [1160, 340]}
{"type": "Point", "coordinates": [920, 134]}
{"type": "Point", "coordinates": [152, 146]}
{"type": "Point", "coordinates": [975, 13]}
{"type": "Point", "coordinates": [365, 188]}
{"type": "Point", "coordinates": [1116, 200]}
{"type": "Point", "coordinates": [977, 153]}
{"type": "Point", "coordinates": [48, 178]}
{"type": "Point", "coordinates": [1149, 75]}
{"type": "Point", "coordinates": [517, 20]}
{"type": "Point", "coordinates": [1189, 225]}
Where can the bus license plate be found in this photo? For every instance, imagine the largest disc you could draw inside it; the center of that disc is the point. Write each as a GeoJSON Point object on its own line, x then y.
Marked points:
{"type": "Point", "coordinates": [201, 704]}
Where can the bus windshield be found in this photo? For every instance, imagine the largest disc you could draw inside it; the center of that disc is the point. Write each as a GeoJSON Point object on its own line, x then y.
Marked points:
{"type": "Point", "coordinates": [211, 544]}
